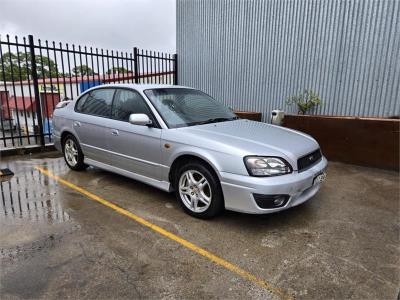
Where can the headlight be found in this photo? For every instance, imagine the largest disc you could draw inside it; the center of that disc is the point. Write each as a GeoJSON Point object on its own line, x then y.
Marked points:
{"type": "Point", "coordinates": [266, 166]}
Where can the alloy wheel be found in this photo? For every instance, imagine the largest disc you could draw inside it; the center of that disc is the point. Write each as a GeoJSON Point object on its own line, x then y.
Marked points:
{"type": "Point", "coordinates": [195, 191]}
{"type": "Point", "coordinates": [71, 152]}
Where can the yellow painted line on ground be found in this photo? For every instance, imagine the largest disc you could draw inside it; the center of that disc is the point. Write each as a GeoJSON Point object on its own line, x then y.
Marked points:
{"type": "Point", "coordinates": [214, 258]}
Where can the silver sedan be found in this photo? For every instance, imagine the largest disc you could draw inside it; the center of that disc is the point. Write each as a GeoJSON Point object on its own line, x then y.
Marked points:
{"type": "Point", "coordinates": [180, 139]}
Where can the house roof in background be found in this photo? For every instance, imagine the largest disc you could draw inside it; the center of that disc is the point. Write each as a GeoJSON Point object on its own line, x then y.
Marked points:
{"type": "Point", "coordinates": [120, 77]}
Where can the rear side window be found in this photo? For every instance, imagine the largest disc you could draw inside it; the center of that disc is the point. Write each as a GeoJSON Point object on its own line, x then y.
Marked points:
{"type": "Point", "coordinates": [81, 102]}
{"type": "Point", "coordinates": [128, 102]}
{"type": "Point", "coordinates": [97, 102]}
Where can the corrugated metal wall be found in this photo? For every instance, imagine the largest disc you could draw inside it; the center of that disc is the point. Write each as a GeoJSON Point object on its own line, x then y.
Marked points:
{"type": "Point", "coordinates": [254, 54]}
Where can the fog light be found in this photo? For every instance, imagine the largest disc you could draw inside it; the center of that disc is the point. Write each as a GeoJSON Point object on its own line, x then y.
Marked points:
{"type": "Point", "coordinates": [279, 201]}
{"type": "Point", "coordinates": [271, 201]}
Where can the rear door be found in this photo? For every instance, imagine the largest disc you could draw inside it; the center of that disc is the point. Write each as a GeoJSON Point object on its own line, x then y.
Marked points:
{"type": "Point", "coordinates": [93, 112]}
{"type": "Point", "coordinates": [134, 148]}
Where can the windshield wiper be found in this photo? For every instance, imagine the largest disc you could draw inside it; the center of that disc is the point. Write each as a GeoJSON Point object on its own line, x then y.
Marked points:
{"type": "Point", "coordinates": [214, 120]}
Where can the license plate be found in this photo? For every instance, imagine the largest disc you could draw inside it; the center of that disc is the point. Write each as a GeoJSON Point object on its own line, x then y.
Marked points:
{"type": "Point", "coordinates": [319, 178]}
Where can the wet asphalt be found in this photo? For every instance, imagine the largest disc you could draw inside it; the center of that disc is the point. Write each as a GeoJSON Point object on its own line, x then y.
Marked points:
{"type": "Point", "coordinates": [56, 243]}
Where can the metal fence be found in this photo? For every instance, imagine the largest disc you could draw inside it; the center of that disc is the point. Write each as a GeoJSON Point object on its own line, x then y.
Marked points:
{"type": "Point", "coordinates": [36, 75]}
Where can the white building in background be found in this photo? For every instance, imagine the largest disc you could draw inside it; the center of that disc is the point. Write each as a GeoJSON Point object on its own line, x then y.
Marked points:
{"type": "Point", "coordinates": [74, 86]}
{"type": "Point", "coordinates": [18, 103]}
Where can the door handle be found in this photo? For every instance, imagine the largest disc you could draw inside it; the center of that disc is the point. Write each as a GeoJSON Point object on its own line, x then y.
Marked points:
{"type": "Point", "coordinates": [77, 124]}
{"type": "Point", "coordinates": [114, 132]}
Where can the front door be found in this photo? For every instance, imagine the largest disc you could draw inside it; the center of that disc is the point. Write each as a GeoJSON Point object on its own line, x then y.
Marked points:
{"type": "Point", "coordinates": [134, 148]}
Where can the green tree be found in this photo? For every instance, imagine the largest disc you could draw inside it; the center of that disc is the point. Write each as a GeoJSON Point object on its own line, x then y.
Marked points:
{"type": "Point", "coordinates": [65, 74]}
{"type": "Point", "coordinates": [82, 70]}
{"type": "Point", "coordinates": [117, 70]}
{"type": "Point", "coordinates": [14, 71]}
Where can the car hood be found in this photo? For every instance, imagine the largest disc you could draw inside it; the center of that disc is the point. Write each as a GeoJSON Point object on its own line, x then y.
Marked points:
{"type": "Point", "coordinates": [245, 137]}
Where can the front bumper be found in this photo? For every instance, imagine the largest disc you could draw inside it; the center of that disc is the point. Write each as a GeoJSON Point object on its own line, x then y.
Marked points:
{"type": "Point", "coordinates": [239, 189]}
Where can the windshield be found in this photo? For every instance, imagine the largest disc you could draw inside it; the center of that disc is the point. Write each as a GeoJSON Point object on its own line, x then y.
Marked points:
{"type": "Point", "coordinates": [186, 107]}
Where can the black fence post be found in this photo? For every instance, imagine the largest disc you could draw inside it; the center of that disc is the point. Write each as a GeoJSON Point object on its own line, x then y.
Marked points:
{"type": "Point", "coordinates": [175, 69]}
{"type": "Point", "coordinates": [36, 89]}
{"type": "Point", "coordinates": [136, 64]}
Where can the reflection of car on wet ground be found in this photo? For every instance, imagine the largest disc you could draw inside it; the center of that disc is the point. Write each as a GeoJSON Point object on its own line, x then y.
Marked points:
{"type": "Point", "coordinates": [181, 139]}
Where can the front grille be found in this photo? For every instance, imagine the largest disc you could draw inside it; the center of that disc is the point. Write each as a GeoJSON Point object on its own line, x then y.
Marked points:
{"type": "Point", "coordinates": [309, 160]}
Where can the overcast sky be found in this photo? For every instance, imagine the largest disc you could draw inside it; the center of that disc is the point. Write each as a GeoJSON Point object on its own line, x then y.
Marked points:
{"type": "Point", "coordinates": [112, 24]}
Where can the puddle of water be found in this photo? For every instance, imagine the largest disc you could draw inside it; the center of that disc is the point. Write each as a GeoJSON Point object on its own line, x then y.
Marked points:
{"type": "Point", "coordinates": [29, 195]}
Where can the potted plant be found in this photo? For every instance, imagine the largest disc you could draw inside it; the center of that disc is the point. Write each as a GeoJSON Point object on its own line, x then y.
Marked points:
{"type": "Point", "coordinates": [305, 101]}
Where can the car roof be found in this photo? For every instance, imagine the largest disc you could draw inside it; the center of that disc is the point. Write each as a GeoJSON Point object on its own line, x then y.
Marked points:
{"type": "Point", "coordinates": [140, 87]}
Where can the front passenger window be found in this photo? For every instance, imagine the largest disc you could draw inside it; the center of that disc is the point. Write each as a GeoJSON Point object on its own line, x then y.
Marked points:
{"type": "Point", "coordinates": [127, 102]}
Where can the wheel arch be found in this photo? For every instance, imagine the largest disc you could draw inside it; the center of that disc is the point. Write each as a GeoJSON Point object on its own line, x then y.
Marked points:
{"type": "Point", "coordinates": [188, 157]}
{"type": "Point", "coordinates": [64, 134]}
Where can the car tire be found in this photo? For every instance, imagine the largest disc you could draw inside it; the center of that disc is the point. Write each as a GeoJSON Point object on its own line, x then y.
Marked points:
{"type": "Point", "coordinates": [73, 154]}
{"type": "Point", "coordinates": [196, 185]}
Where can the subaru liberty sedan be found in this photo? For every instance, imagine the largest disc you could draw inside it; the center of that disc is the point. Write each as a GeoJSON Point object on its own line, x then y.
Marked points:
{"type": "Point", "coordinates": [181, 140]}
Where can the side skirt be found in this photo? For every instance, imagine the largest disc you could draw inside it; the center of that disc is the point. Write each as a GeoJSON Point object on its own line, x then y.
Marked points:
{"type": "Point", "coordinates": [162, 185]}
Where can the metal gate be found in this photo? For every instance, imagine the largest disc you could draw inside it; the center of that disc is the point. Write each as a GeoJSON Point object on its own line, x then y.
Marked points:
{"type": "Point", "coordinates": [36, 75]}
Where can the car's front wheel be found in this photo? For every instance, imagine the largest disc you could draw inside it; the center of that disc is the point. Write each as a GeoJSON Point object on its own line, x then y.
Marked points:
{"type": "Point", "coordinates": [199, 191]}
{"type": "Point", "coordinates": [73, 154]}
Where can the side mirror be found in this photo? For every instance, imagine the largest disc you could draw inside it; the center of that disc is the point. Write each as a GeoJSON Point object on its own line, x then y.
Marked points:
{"type": "Point", "coordinates": [63, 103]}
{"type": "Point", "coordinates": [140, 119]}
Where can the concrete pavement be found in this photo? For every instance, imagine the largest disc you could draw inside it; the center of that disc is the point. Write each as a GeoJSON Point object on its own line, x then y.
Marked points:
{"type": "Point", "coordinates": [57, 243]}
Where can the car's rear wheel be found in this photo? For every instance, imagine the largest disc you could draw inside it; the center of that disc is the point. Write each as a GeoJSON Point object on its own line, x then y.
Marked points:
{"type": "Point", "coordinates": [198, 190]}
{"type": "Point", "coordinates": [73, 154]}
